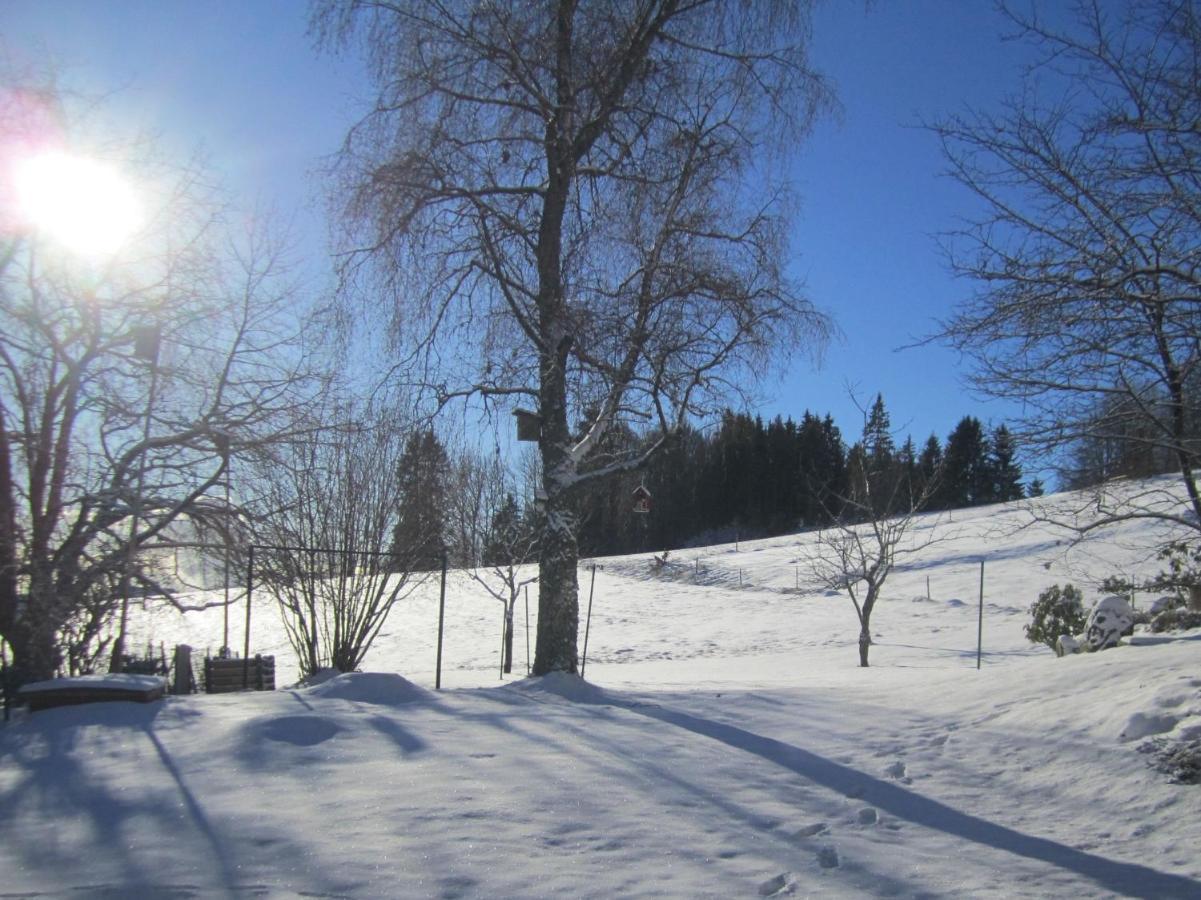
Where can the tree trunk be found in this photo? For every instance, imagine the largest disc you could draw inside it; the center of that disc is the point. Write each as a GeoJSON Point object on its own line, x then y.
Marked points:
{"type": "Point", "coordinates": [36, 654]}
{"type": "Point", "coordinates": [559, 554]}
{"type": "Point", "coordinates": [507, 663]}
{"type": "Point", "coordinates": [865, 643]}
{"type": "Point", "coordinates": [865, 621]}
{"type": "Point", "coordinates": [558, 590]}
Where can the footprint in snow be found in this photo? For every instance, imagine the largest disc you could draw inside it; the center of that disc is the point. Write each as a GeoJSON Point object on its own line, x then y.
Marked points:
{"type": "Point", "coordinates": [810, 830]}
{"type": "Point", "coordinates": [827, 858]}
{"type": "Point", "coordinates": [773, 885]}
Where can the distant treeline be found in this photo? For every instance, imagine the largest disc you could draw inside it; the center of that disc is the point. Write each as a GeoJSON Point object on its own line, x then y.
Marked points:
{"type": "Point", "coordinates": [745, 478]}
{"type": "Point", "coordinates": [748, 478]}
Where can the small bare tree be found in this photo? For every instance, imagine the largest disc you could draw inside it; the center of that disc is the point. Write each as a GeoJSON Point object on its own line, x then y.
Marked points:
{"type": "Point", "coordinates": [496, 535]}
{"type": "Point", "coordinates": [872, 530]}
{"type": "Point", "coordinates": [326, 511]}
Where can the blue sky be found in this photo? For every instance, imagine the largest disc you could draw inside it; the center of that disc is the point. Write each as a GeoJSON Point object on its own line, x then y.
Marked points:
{"type": "Point", "coordinates": [241, 81]}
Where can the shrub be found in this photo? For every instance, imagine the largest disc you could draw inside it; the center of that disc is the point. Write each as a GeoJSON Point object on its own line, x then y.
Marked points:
{"type": "Point", "coordinates": [1179, 760]}
{"type": "Point", "coordinates": [1056, 611]}
{"type": "Point", "coordinates": [1176, 620]}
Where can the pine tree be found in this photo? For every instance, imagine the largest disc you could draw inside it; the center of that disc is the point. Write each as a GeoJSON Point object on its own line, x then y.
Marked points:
{"type": "Point", "coordinates": [929, 468]}
{"type": "Point", "coordinates": [909, 473]}
{"type": "Point", "coordinates": [823, 469]}
{"type": "Point", "coordinates": [878, 446]}
{"type": "Point", "coordinates": [1005, 471]}
{"type": "Point", "coordinates": [505, 545]}
{"type": "Point", "coordinates": [965, 466]}
{"type": "Point", "coordinates": [419, 538]}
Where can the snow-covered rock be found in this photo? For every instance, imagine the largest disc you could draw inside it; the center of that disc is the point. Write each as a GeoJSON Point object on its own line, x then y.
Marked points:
{"type": "Point", "coordinates": [1161, 604]}
{"type": "Point", "coordinates": [1109, 619]}
{"type": "Point", "coordinates": [1067, 644]}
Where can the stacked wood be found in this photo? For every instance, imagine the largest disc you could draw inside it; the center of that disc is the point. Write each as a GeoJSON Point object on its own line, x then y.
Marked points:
{"type": "Point", "coordinates": [223, 675]}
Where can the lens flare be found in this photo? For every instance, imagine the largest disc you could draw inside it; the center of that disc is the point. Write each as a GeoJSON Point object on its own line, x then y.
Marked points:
{"type": "Point", "coordinates": [82, 203]}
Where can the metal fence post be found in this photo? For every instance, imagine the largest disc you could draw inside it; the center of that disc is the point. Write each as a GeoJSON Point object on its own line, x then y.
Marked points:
{"type": "Point", "coordinates": [980, 624]}
{"type": "Point", "coordinates": [588, 622]}
{"type": "Point", "coordinates": [441, 619]}
{"type": "Point", "coordinates": [249, 603]}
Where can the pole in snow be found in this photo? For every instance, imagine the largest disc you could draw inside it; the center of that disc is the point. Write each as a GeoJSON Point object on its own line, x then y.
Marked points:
{"type": "Point", "coordinates": [527, 629]}
{"type": "Point", "coordinates": [249, 604]}
{"type": "Point", "coordinates": [588, 621]}
{"type": "Point", "coordinates": [441, 619]}
{"type": "Point", "coordinates": [980, 624]}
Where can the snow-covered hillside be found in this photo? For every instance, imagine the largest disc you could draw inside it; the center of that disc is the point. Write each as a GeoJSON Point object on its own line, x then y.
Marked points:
{"type": "Point", "coordinates": [725, 744]}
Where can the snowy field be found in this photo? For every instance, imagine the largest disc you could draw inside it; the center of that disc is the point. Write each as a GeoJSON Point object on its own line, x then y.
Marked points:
{"type": "Point", "coordinates": [725, 744]}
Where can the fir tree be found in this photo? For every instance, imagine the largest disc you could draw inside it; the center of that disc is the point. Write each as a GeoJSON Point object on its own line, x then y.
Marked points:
{"type": "Point", "coordinates": [966, 479]}
{"type": "Point", "coordinates": [419, 538]}
{"type": "Point", "coordinates": [1006, 473]}
{"type": "Point", "coordinates": [929, 468]}
{"type": "Point", "coordinates": [878, 446]}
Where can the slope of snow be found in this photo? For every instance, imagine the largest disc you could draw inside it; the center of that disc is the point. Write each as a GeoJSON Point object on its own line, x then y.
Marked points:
{"type": "Point", "coordinates": [724, 744]}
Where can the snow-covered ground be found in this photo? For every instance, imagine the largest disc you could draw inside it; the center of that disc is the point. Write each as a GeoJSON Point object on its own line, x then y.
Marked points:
{"type": "Point", "coordinates": [725, 744]}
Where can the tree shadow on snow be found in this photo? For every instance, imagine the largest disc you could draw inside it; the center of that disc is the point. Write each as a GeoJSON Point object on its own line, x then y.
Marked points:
{"type": "Point", "coordinates": [59, 759]}
{"type": "Point", "coordinates": [55, 782]}
{"type": "Point", "coordinates": [1129, 879]}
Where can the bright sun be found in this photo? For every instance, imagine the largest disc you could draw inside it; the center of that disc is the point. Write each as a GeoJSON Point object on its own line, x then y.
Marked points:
{"type": "Point", "coordinates": [85, 204]}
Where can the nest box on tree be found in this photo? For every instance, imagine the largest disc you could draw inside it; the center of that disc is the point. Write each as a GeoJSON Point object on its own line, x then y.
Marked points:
{"type": "Point", "coordinates": [529, 425]}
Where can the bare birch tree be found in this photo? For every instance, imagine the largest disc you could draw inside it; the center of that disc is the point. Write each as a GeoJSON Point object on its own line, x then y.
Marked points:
{"type": "Point", "coordinates": [573, 206]}
{"type": "Point", "coordinates": [1088, 250]}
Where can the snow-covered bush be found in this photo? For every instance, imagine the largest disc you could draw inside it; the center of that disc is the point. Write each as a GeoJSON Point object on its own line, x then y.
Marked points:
{"type": "Point", "coordinates": [1163, 604]}
{"type": "Point", "coordinates": [1056, 611]}
{"type": "Point", "coordinates": [1176, 620]}
{"type": "Point", "coordinates": [1179, 760]}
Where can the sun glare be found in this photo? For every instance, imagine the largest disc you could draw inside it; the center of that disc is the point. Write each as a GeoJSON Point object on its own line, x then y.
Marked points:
{"type": "Point", "coordinates": [82, 203]}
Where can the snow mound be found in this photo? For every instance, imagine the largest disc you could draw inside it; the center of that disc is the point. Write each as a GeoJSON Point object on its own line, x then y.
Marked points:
{"type": "Point", "coordinates": [1188, 729]}
{"type": "Point", "coordinates": [319, 677]}
{"type": "Point", "coordinates": [564, 685]}
{"type": "Point", "coordinates": [1141, 725]}
{"type": "Point", "coordinates": [380, 688]}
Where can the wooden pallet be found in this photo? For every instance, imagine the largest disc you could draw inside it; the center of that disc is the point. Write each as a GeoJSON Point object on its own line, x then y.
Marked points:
{"type": "Point", "coordinates": [223, 676]}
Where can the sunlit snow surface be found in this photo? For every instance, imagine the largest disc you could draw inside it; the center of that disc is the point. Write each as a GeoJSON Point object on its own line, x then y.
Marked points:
{"type": "Point", "coordinates": [725, 744]}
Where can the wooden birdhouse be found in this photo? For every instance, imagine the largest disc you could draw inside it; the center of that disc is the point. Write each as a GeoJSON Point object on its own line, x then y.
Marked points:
{"type": "Point", "coordinates": [529, 425]}
{"type": "Point", "coordinates": [642, 499]}
{"type": "Point", "coordinates": [146, 339]}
